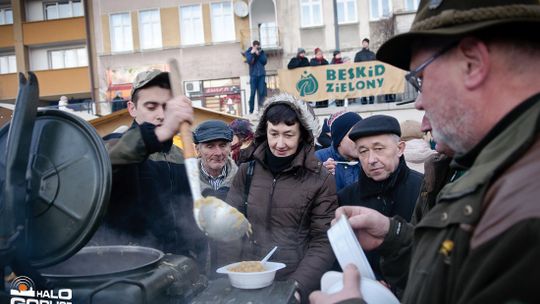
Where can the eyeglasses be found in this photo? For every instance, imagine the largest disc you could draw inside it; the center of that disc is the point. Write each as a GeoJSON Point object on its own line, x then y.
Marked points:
{"type": "Point", "coordinates": [413, 76]}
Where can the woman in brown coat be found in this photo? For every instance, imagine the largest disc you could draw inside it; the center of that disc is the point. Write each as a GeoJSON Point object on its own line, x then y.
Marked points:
{"type": "Point", "coordinates": [292, 197]}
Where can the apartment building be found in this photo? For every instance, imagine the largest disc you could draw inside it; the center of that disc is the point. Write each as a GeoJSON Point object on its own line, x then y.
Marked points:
{"type": "Point", "coordinates": [50, 39]}
{"type": "Point", "coordinates": [208, 37]}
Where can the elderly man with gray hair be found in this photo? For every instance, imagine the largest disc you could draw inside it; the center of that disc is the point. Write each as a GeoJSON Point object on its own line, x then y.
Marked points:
{"type": "Point", "coordinates": [216, 168]}
{"type": "Point", "coordinates": [385, 183]}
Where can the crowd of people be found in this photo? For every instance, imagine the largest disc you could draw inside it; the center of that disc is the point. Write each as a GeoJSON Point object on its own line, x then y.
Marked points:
{"type": "Point", "coordinates": [457, 225]}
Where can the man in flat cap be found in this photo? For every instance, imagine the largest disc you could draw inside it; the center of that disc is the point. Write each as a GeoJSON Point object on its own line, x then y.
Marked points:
{"type": "Point", "coordinates": [385, 183]}
{"type": "Point", "coordinates": [476, 65]}
{"type": "Point", "coordinates": [216, 167]}
{"type": "Point", "coordinates": [151, 203]}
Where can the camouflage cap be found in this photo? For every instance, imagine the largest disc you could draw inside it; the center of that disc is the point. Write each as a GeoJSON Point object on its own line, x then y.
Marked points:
{"type": "Point", "coordinates": [455, 18]}
{"type": "Point", "coordinates": [151, 76]}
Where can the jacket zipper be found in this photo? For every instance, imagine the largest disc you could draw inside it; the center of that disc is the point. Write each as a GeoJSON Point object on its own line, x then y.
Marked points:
{"type": "Point", "coordinates": [269, 210]}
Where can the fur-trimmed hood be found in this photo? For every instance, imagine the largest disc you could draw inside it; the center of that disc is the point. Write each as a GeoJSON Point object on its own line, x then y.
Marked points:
{"type": "Point", "coordinates": [305, 114]}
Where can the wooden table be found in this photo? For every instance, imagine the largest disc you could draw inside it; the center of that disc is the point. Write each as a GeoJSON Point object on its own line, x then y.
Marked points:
{"type": "Point", "coordinates": [220, 291]}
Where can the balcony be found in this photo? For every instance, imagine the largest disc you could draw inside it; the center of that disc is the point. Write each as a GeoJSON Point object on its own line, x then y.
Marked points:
{"type": "Point", "coordinates": [54, 31]}
{"type": "Point", "coordinates": [267, 34]}
{"type": "Point", "coordinates": [6, 36]}
{"type": "Point", "coordinates": [63, 81]}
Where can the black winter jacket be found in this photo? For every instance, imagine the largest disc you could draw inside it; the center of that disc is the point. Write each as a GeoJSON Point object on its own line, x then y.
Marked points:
{"type": "Point", "coordinates": [396, 195]}
{"type": "Point", "coordinates": [364, 55]}
{"type": "Point", "coordinates": [298, 62]}
{"type": "Point", "coordinates": [150, 202]}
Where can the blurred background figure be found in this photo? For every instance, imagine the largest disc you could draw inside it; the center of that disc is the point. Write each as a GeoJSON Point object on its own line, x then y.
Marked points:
{"type": "Point", "coordinates": [256, 58]}
{"type": "Point", "coordinates": [118, 102]}
{"type": "Point", "coordinates": [365, 54]}
{"type": "Point", "coordinates": [324, 140]}
{"type": "Point", "coordinates": [63, 103]}
{"type": "Point", "coordinates": [319, 60]}
{"type": "Point", "coordinates": [336, 59]}
{"type": "Point", "coordinates": [417, 149]}
{"type": "Point", "coordinates": [242, 143]}
{"type": "Point", "coordinates": [299, 60]}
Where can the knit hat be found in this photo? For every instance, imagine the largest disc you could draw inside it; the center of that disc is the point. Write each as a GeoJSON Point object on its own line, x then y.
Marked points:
{"type": "Point", "coordinates": [375, 125]}
{"type": "Point", "coordinates": [299, 51]}
{"type": "Point", "coordinates": [411, 129]}
{"type": "Point", "coordinates": [341, 124]}
{"type": "Point", "coordinates": [454, 19]}
{"type": "Point", "coordinates": [317, 50]}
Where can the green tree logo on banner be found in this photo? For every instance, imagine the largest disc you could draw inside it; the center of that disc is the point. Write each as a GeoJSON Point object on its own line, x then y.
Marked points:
{"type": "Point", "coordinates": [307, 85]}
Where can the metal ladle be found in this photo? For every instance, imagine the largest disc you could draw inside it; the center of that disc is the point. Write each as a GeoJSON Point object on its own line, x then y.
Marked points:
{"type": "Point", "coordinates": [215, 218]}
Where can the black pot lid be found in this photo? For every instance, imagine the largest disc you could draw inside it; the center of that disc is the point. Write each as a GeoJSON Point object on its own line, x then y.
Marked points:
{"type": "Point", "coordinates": [69, 180]}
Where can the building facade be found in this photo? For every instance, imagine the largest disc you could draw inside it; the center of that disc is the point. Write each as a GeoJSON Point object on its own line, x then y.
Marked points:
{"type": "Point", "coordinates": [94, 48]}
{"type": "Point", "coordinates": [50, 39]}
{"type": "Point", "coordinates": [208, 38]}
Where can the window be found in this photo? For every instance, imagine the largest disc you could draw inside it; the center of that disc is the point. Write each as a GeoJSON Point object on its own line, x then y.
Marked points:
{"type": "Point", "coordinates": [63, 9]}
{"type": "Point", "coordinates": [379, 9]}
{"type": "Point", "coordinates": [222, 22]}
{"type": "Point", "coordinates": [411, 5]}
{"type": "Point", "coordinates": [310, 13]}
{"type": "Point", "coordinates": [268, 34]}
{"type": "Point", "coordinates": [191, 25]}
{"type": "Point", "coordinates": [121, 36]}
{"type": "Point", "coordinates": [8, 64]}
{"type": "Point", "coordinates": [6, 16]}
{"type": "Point", "coordinates": [70, 58]}
{"type": "Point", "coordinates": [150, 29]}
{"type": "Point", "coordinates": [346, 11]}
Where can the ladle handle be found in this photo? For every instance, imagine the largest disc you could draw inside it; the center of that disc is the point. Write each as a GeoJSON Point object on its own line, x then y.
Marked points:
{"type": "Point", "coordinates": [185, 127]}
{"type": "Point", "coordinates": [190, 156]}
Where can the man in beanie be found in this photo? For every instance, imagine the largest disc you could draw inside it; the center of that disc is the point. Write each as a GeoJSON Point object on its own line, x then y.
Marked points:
{"type": "Point", "coordinates": [385, 184]}
{"type": "Point", "coordinates": [299, 60]}
{"type": "Point", "coordinates": [474, 63]}
{"type": "Point", "coordinates": [216, 168]}
{"type": "Point", "coordinates": [336, 158]}
{"type": "Point", "coordinates": [151, 203]}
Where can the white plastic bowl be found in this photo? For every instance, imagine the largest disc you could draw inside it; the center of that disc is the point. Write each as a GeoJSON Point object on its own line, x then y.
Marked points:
{"type": "Point", "coordinates": [373, 292]}
{"type": "Point", "coordinates": [252, 280]}
{"type": "Point", "coordinates": [347, 248]}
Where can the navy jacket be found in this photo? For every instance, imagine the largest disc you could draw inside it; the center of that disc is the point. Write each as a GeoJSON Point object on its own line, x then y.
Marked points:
{"type": "Point", "coordinates": [256, 63]}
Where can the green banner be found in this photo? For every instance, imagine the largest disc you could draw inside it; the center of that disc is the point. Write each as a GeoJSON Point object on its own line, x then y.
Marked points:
{"type": "Point", "coordinates": [340, 81]}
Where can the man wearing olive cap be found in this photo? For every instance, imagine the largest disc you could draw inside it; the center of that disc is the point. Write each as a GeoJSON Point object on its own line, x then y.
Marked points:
{"type": "Point", "coordinates": [151, 203]}
{"type": "Point", "coordinates": [385, 183]}
{"type": "Point", "coordinates": [476, 65]}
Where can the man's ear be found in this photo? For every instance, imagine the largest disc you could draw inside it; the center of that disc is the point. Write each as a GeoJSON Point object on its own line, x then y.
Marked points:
{"type": "Point", "coordinates": [477, 59]}
{"type": "Point", "coordinates": [132, 109]}
{"type": "Point", "coordinates": [401, 147]}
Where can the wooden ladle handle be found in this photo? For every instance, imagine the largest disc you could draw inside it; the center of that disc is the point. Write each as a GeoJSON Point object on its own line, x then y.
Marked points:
{"type": "Point", "coordinates": [178, 90]}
